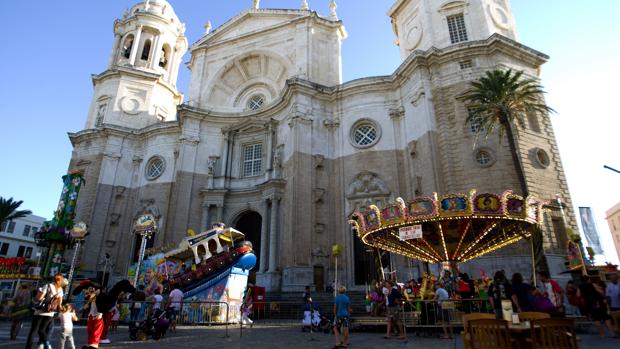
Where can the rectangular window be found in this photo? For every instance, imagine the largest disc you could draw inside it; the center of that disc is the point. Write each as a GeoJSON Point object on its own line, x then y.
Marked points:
{"type": "Point", "coordinates": [26, 230]}
{"type": "Point", "coordinates": [456, 28]}
{"type": "Point", "coordinates": [3, 226]}
{"type": "Point", "coordinates": [532, 120]}
{"type": "Point", "coordinates": [252, 160]}
{"type": "Point", "coordinates": [4, 249]}
{"type": "Point", "coordinates": [28, 253]}
{"type": "Point", "coordinates": [475, 122]}
{"type": "Point", "coordinates": [465, 64]}
{"type": "Point", "coordinates": [21, 250]}
{"type": "Point", "coordinates": [33, 231]}
{"type": "Point", "coordinates": [11, 227]}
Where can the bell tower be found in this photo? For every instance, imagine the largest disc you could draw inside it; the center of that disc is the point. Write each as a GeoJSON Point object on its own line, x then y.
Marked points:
{"type": "Point", "coordinates": [138, 88]}
{"type": "Point", "coordinates": [422, 24]}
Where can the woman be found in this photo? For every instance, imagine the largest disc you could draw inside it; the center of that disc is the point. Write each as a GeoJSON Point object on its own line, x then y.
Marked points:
{"type": "Point", "coordinates": [594, 305]}
{"type": "Point", "coordinates": [52, 293]}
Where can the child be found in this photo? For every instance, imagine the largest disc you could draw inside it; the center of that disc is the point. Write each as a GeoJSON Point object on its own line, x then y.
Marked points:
{"type": "Point", "coordinates": [116, 315]}
{"type": "Point", "coordinates": [66, 326]}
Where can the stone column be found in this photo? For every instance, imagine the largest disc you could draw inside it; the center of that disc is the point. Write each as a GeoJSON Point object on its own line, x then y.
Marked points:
{"type": "Point", "coordinates": [156, 53]}
{"type": "Point", "coordinates": [205, 217]}
{"type": "Point", "coordinates": [220, 213]}
{"type": "Point", "coordinates": [263, 239]}
{"type": "Point", "coordinates": [134, 47]}
{"type": "Point", "coordinates": [115, 48]}
{"type": "Point", "coordinates": [273, 234]}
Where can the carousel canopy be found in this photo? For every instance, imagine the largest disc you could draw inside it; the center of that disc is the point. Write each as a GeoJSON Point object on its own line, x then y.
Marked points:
{"type": "Point", "coordinates": [455, 228]}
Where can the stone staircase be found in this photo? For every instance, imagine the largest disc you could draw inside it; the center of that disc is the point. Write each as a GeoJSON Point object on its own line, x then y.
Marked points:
{"type": "Point", "coordinates": [290, 305]}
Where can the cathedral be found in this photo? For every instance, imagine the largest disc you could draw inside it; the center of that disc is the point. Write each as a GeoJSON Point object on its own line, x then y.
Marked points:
{"type": "Point", "coordinates": [269, 139]}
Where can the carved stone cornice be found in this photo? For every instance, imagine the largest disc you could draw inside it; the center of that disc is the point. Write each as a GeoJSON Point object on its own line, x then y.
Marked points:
{"type": "Point", "coordinates": [187, 139]}
{"type": "Point", "coordinates": [112, 155]}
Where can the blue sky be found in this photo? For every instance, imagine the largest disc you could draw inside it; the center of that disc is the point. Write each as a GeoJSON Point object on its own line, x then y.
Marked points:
{"type": "Point", "coordinates": [50, 48]}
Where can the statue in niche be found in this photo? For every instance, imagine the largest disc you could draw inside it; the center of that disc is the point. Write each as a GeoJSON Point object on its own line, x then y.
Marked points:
{"type": "Point", "coordinates": [211, 164]}
{"type": "Point", "coordinates": [277, 156]}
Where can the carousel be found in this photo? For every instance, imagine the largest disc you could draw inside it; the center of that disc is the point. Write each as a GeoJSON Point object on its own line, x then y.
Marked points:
{"type": "Point", "coordinates": [452, 229]}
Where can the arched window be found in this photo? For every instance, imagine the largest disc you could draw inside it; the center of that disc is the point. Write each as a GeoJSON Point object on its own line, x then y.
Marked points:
{"type": "Point", "coordinates": [127, 45]}
{"type": "Point", "coordinates": [146, 50]}
{"type": "Point", "coordinates": [165, 56]}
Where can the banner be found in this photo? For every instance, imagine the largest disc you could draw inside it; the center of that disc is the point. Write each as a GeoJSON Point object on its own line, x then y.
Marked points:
{"type": "Point", "coordinates": [589, 229]}
{"type": "Point", "coordinates": [410, 232]}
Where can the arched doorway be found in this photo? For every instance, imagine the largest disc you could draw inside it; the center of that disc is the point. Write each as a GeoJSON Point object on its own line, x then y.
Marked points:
{"type": "Point", "coordinates": [250, 224]}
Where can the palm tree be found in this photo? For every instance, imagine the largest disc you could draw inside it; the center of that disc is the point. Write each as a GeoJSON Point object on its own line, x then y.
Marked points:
{"type": "Point", "coordinates": [501, 100]}
{"type": "Point", "coordinates": [8, 210]}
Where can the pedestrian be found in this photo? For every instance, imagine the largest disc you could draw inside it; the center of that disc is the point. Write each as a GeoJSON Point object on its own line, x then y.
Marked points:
{"type": "Point", "coordinates": [49, 299]}
{"type": "Point", "coordinates": [500, 290]}
{"type": "Point", "coordinates": [594, 305]}
{"type": "Point", "coordinates": [342, 310]}
{"type": "Point", "coordinates": [552, 290]}
{"type": "Point", "coordinates": [157, 299]}
{"type": "Point", "coordinates": [613, 292]}
{"type": "Point", "coordinates": [138, 299]}
{"type": "Point", "coordinates": [393, 311]}
{"type": "Point", "coordinates": [176, 304]}
{"type": "Point", "coordinates": [20, 309]}
{"type": "Point", "coordinates": [441, 296]}
{"type": "Point", "coordinates": [307, 295]}
{"type": "Point", "coordinates": [466, 289]}
{"type": "Point", "coordinates": [448, 282]}
{"type": "Point", "coordinates": [67, 316]}
{"type": "Point", "coordinates": [575, 302]}
{"type": "Point", "coordinates": [116, 316]}
{"type": "Point", "coordinates": [523, 292]}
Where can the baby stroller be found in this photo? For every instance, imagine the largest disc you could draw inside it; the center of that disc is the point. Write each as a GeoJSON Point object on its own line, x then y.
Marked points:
{"type": "Point", "coordinates": [154, 325]}
{"type": "Point", "coordinates": [314, 321]}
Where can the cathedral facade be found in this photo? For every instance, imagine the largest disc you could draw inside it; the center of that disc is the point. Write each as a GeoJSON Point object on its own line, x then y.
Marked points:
{"type": "Point", "coordinates": [268, 138]}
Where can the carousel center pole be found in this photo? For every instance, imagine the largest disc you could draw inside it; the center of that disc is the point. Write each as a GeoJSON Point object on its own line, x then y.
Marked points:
{"type": "Point", "coordinates": [140, 258]}
{"type": "Point", "coordinates": [533, 261]}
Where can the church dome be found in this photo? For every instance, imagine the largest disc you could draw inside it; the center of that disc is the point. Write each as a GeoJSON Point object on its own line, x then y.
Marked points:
{"type": "Point", "coordinates": [159, 8]}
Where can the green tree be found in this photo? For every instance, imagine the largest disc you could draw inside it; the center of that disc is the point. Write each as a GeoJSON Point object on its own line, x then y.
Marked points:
{"type": "Point", "coordinates": [9, 210]}
{"type": "Point", "coordinates": [501, 100]}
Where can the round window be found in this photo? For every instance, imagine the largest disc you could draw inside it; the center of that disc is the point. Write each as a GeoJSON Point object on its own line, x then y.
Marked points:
{"type": "Point", "coordinates": [542, 158]}
{"type": "Point", "coordinates": [365, 134]}
{"type": "Point", "coordinates": [155, 167]}
{"type": "Point", "coordinates": [484, 157]}
{"type": "Point", "coordinates": [256, 102]}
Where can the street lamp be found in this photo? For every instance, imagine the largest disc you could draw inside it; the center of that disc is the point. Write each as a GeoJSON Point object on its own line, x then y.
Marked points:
{"type": "Point", "coordinates": [336, 250]}
{"type": "Point", "coordinates": [611, 168]}
{"type": "Point", "coordinates": [78, 233]}
{"type": "Point", "coordinates": [145, 226]}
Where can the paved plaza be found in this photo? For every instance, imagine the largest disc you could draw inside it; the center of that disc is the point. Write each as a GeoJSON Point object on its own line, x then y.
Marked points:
{"type": "Point", "coordinates": [272, 336]}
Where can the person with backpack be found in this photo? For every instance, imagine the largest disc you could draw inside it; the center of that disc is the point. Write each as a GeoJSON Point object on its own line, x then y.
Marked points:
{"type": "Point", "coordinates": [465, 289]}
{"type": "Point", "coordinates": [48, 301]}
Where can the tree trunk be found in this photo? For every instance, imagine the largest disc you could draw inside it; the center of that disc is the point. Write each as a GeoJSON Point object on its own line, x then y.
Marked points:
{"type": "Point", "coordinates": [516, 159]}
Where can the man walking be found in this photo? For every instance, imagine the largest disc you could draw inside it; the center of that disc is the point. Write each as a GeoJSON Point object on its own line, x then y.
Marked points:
{"type": "Point", "coordinates": [393, 310]}
{"type": "Point", "coordinates": [342, 309]}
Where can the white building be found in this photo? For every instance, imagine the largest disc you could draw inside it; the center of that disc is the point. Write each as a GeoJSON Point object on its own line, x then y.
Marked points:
{"type": "Point", "coordinates": [613, 220]}
{"type": "Point", "coordinates": [17, 240]}
{"type": "Point", "coordinates": [272, 142]}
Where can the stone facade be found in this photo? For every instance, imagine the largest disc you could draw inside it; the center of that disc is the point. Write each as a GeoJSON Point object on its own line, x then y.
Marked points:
{"type": "Point", "coordinates": [270, 139]}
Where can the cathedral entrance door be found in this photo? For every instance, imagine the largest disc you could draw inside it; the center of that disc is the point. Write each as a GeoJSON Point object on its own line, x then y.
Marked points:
{"type": "Point", "coordinates": [369, 264]}
{"type": "Point", "coordinates": [250, 224]}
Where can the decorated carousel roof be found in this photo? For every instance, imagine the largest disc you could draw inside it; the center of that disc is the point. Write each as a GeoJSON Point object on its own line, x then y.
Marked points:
{"type": "Point", "coordinates": [455, 227]}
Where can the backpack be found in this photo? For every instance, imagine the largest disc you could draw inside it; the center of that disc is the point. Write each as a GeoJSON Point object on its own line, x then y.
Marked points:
{"type": "Point", "coordinates": [50, 303]}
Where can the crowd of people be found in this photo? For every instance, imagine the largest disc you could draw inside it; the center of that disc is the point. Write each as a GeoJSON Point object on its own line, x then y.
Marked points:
{"type": "Point", "coordinates": [46, 303]}
{"type": "Point", "coordinates": [590, 298]}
